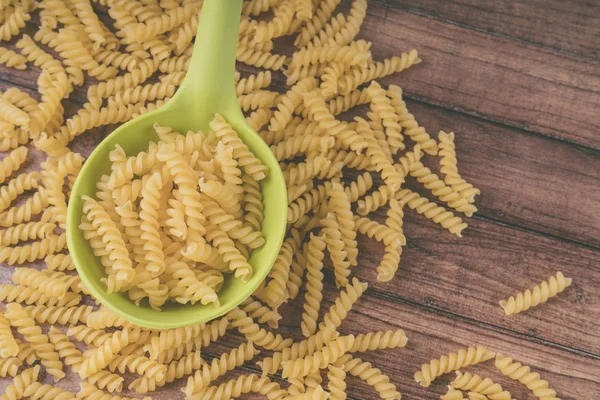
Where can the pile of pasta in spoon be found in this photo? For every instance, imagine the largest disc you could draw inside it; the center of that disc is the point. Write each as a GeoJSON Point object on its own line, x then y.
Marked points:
{"type": "Point", "coordinates": [128, 57]}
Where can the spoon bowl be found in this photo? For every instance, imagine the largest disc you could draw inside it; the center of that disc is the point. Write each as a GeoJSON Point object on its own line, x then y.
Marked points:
{"type": "Point", "coordinates": [208, 88]}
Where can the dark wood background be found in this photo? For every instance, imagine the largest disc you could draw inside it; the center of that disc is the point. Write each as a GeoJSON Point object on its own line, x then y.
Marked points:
{"type": "Point", "coordinates": [519, 84]}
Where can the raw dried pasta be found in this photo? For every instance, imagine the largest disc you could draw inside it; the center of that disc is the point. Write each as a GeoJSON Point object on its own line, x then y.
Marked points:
{"type": "Point", "coordinates": [452, 362]}
{"type": "Point", "coordinates": [538, 295]}
{"type": "Point", "coordinates": [170, 223]}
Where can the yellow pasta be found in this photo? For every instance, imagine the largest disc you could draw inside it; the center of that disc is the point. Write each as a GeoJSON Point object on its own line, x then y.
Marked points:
{"type": "Point", "coordinates": [314, 285]}
{"type": "Point", "coordinates": [475, 383]}
{"type": "Point", "coordinates": [40, 343]}
{"type": "Point", "coordinates": [538, 295]}
{"type": "Point", "coordinates": [169, 224]}
{"type": "Point", "coordinates": [20, 383]}
{"type": "Point", "coordinates": [8, 345]}
{"type": "Point", "coordinates": [319, 360]}
{"type": "Point", "coordinates": [522, 373]}
{"type": "Point", "coordinates": [343, 304]}
{"type": "Point", "coordinates": [218, 367]}
{"type": "Point", "coordinates": [452, 362]}
{"type": "Point", "coordinates": [373, 376]}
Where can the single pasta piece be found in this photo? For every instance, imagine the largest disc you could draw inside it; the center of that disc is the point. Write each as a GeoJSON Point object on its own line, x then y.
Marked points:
{"type": "Point", "coordinates": [302, 367]}
{"type": "Point", "coordinates": [449, 167]}
{"type": "Point", "coordinates": [538, 295]}
{"type": "Point", "coordinates": [453, 394]}
{"type": "Point", "coordinates": [314, 285]}
{"type": "Point", "coordinates": [8, 345]}
{"type": "Point", "coordinates": [372, 376]}
{"type": "Point", "coordinates": [40, 343]}
{"type": "Point", "coordinates": [477, 384]}
{"type": "Point", "coordinates": [20, 383]}
{"type": "Point", "coordinates": [452, 362]}
{"type": "Point", "coordinates": [12, 162]}
{"type": "Point", "coordinates": [522, 373]}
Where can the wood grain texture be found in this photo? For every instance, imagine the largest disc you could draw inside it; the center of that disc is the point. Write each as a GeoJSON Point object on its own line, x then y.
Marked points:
{"type": "Point", "coordinates": [565, 26]}
{"type": "Point", "coordinates": [518, 94]}
{"type": "Point", "coordinates": [494, 77]}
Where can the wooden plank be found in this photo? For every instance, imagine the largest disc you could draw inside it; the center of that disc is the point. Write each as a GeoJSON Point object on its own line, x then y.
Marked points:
{"type": "Point", "coordinates": [497, 78]}
{"type": "Point", "coordinates": [470, 275]}
{"type": "Point", "coordinates": [432, 333]}
{"type": "Point", "coordinates": [525, 180]}
{"type": "Point", "coordinates": [569, 26]}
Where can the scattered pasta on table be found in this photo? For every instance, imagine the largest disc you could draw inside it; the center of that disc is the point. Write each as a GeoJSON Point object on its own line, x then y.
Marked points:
{"type": "Point", "coordinates": [168, 223]}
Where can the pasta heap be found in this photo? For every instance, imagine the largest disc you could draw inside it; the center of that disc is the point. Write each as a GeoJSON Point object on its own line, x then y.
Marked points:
{"type": "Point", "coordinates": [193, 185]}
{"type": "Point", "coordinates": [128, 57]}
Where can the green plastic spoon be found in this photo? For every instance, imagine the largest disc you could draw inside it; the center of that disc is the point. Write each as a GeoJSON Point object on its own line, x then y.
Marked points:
{"type": "Point", "coordinates": [208, 88]}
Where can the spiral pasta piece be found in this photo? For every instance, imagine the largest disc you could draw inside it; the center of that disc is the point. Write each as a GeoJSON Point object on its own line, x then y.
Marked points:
{"type": "Point", "coordinates": [339, 203]}
{"type": "Point", "coordinates": [408, 122]}
{"type": "Point", "coordinates": [122, 268]}
{"type": "Point", "coordinates": [289, 102]}
{"type": "Point", "coordinates": [319, 112]}
{"type": "Point", "coordinates": [522, 373]}
{"type": "Point", "coordinates": [12, 59]}
{"type": "Point", "coordinates": [28, 295]}
{"type": "Point", "coordinates": [380, 232]}
{"type": "Point", "coordinates": [184, 177]}
{"type": "Point", "coordinates": [254, 333]}
{"type": "Point", "coordinates": [66, 350]}
{"type": "Point", "coordinates": [140, 365]}
{"type": "Point", "coordinates": [12, 162]}
{"type": "Point", "coordinates": [159, 24]}
{"type": "Point", "coordinates": [20, 383]}
{"type": "Point", "coordinates": [174, 337]}
{"type": "Point", "coordinates": [90, 392]}
{"type": "Point", "coordinates": [106, 380]}
{"type": "Point", "coordinates": [8, 345]}
{"type": "Point", "coordinates": [260, 59]}
{"type": "Point", "coordinates": [87, 335]}
{"type": "Point", "coordinates": [100, 357]}
{"type": "Point", "coordinates": [453, 394]}
{"type": "Point", "coordinates": [17, 186]}
{"type": "Point", "coordinates": [264, 314]}
{"type": "Point", "coordinates": [449, 167]}
{"type": "Point", "coordinates": [278, 26]}
{"type": "Point", "coordinates": [243, 384]}
{"type": "Point", "coordinates": [343, 304]}
{"type": "Point", "coordinates": [337, 384]}
{"type": "Point", "coordinates": [252, 165]}
{"type": "Point", "coordinates": [538, 295]}
{"type": "Point", "coordinates": [149, 207]}
{"type": "Point", "coordinates": [20, 319]}
{"type": "Point", "coordinates": [319, 19]}
{"type": "Point", "coordinates": [477, 384]}
{"type": "Point", "coordinates": [219, 367]}
{"type": "Point", "coordinates": [372, 376]}
{"type": "Point", "coordinates": [196, 290]}
{"type": "Point", "coordinates": [316, 342]}
{"type": "Point", "coordinates": [276, 289]}
{"type": "Point", "coordinates": [253, 82]}
{"type": "Point", "coordinates": [381, 106]}
{"type": "Point", "coordinates": [437, 214]}
{"type": "Point", "coordinates": [61, 315]}
{"type": "Point", "coordinates": [319, 360]}
{"type": "Point", "coordinates": [41, 281]}
{"type": "Point", "coordinates": [440, 189]}
{"type": "Point", "coordinates": [336, 248]}
{"type": "Point", "coordinates": [25, 232]}
{"type": "Point", "coordinates": [452, 362]}
{"type": "Point", "coordinates": [314, 285]}
{"type": "Point", "coordinates": [356, 53]}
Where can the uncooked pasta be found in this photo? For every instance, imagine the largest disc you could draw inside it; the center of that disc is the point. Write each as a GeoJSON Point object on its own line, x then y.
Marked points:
{"type": "Point", "coordinates": [168, 224]}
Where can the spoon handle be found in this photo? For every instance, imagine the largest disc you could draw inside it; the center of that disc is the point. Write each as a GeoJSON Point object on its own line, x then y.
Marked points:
{"type": "Point", "coordinates": [209, 84]}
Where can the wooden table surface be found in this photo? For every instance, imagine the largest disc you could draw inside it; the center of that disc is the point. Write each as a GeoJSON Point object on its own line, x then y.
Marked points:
{"type": "Point", "coordinates": [519, 84]}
